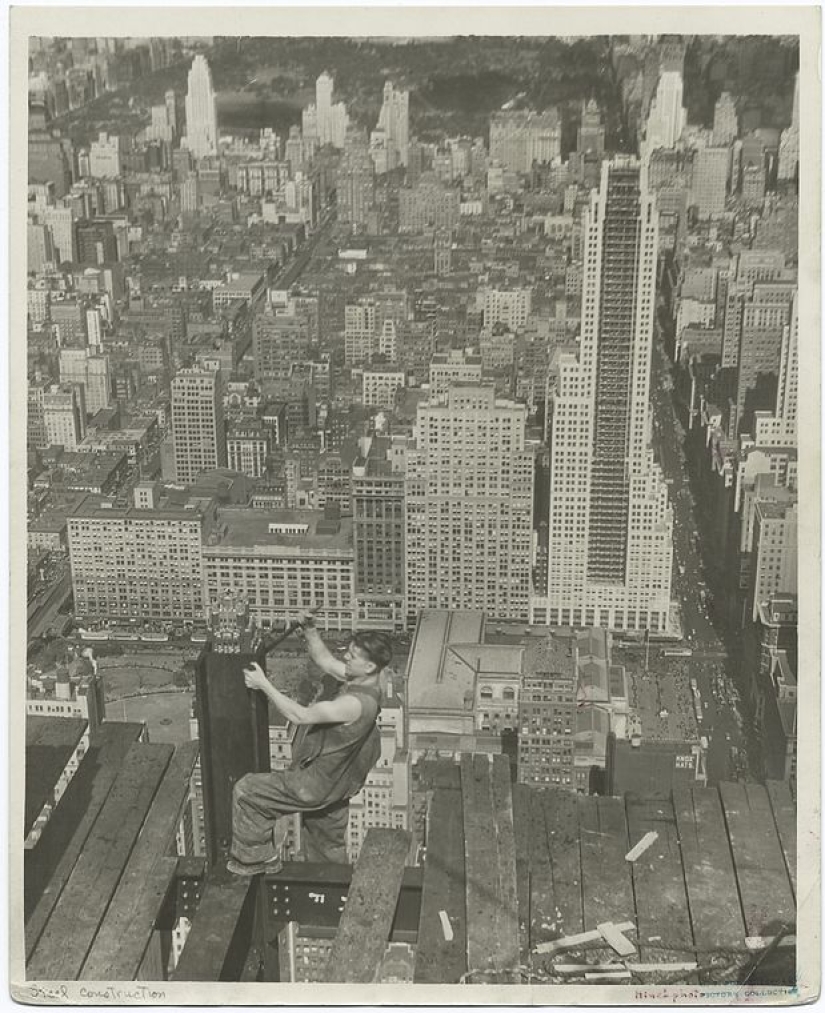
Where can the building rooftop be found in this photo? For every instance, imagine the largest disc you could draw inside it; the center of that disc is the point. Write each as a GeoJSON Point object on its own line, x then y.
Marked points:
{"type": "Point", "coordinates": [242, 527]}
{"type": "Point", "coordinates": [437, 675]}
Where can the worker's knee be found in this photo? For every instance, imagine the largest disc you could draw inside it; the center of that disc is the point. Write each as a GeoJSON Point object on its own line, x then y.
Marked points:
{"type": "Point", "coordinates": [241, 788]}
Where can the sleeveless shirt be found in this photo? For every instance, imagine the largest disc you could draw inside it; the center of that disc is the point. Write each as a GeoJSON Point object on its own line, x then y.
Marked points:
{"type": "Point", "coordinates": [340, 756]}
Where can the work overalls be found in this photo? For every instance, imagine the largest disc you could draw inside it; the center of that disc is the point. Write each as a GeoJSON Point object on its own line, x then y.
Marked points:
{"type": "Point", "coordinates": [330, 764]}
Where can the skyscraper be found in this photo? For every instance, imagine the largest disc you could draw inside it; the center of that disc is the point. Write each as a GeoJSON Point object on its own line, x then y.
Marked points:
{"type": "Point", "coordinates": [469, 506]}
{"type": "Point", "coordinates": [789, 141]}
{"type": "Point", "coordinates": [610, 525]}
{"type": "Point", "coordinates": [725, 120]}
{"type": "Point", "coordinates": [711, 168]}
{"type": "Point", "coordinates": [378, 536]}
{"type": "Point", "coordinates": [356, 186]}
{"type": "Point", "coordinates": [197, 424]}
{"type": "Point", "coordinates": [325, 120]}
{"type": "Point", "coordinates": [394, 120]}
{"type": "Point", "coordinates": [201, 110]}
{"type": "Point", "coordinates": [667, 115]}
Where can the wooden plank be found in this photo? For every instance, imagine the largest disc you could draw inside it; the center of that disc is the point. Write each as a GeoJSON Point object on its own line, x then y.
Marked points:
{"type": "Point", "coordinates": [50, 744]}
{"type": "Point", "coordinates": [156, 840]}
{"type": "Point", "coordinates": [659, 885]}
{"type": "Point", "coordinates": [481, 867]}
{"type": "Point", "coordinates": [433, 774]}
{"type": "Point", "coordinates": [564, 943]}
{"type": "Point", "coordinates": [507, 951]}
{"type": "Point", "coordinates": [71, 930]}
{"type": "Point", "coordinates": [437, 959]}
{"type": "Point", "coordinates": [713, 896]}
{"type": "Point", "coordinates": [562, 820]}
{"type": "Point", "coordinates": [364, 929]}
{"type": "Point", "coordinates": [784, 816]}
{"type": "Point", "coordinates": [125, 954]}
{"type": "Point", "coordinates": [543, 923]}
{"type": "Point", "coordinates": [607, 887]}
{"type": "Point", "coordinates": [49, 864]}
{"type": "Point", "coordinates": [521, 832]}
{"type": "Point", "coordinates": [225, 911]}
{"type": "Point", "coordinates": [764, 886]}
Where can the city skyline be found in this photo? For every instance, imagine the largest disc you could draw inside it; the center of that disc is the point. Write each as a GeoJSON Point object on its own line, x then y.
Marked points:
{"type": "Point", "coordinates": [509, 371]}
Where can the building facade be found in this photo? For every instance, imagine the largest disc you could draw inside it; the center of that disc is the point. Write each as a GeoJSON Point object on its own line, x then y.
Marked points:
{"type": "Point", "coordinates": [469, 506]}
{"type": "Point", "coordinates": [198, 434]}
{"type": "Point", "coordinates": [610, 526]}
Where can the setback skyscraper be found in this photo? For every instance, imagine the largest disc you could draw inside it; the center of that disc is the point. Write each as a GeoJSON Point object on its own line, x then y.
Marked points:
{"type": "Point", "coordinates": [201, 111]}
{"type": "Point", "coordinates": [610, 550]}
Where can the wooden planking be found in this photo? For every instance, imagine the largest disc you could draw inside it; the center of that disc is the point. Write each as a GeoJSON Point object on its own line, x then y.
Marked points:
{"type": "Point", "coordinates": [125, 954]}
{"type": "Point", "coordinates": [658, 883]}
{"type": "Point", "coordinates": [437, 959]}
{"type": "Point", "coordinates": [481, 865]}
{"type": "Point", "coordinates": [225, 904]}
{"type": "Point", "coordinates": [50, 744]}
{"type": "Point", "coordinates": [156, 840]}
{"type": "Point", "coordinates": [49, 864]}
{"type": "Point", "coordinates": [562, 822]}
{"type": "Point", "coordinates": [713, 896]}
{"type": "Point", "coordinates": [764, 886]}
{"type": "Point", "coordinates": [607, 886]}
{"type": "Point", "coordinates": [784, 815]}
{"type": "Point", "coordinates": [543, 923]}
{"type": "Point", "coordinates": [433, 774]}
{"type": "Point", "coordinates": [71, 930]}
{"type": "Point", "coordinates": [364, 929]}
{"type": "Point", "coordinates": [521, 832]}
{"type": "Point", "coordinates": [507, 957]}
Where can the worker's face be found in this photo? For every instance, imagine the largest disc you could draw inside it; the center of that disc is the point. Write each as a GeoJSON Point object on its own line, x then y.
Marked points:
{"type": "Point", "coordinates": [357, 663]}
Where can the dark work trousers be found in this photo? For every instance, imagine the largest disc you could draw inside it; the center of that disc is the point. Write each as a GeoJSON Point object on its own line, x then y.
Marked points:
{"type": "Point", "coordinates": [261, 806]}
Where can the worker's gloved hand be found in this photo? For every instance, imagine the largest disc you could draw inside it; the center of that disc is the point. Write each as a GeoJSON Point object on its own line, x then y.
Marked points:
{"type": "Point", "coordinates": [255, 678]}
{"type": "Point", "coordinates": [306, 619]}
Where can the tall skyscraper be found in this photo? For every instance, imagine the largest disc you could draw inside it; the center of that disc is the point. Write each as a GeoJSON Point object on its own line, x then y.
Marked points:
{"type": "Point", "coordinates": [197, 424]}
{"type": "Point", "coordinates": [201, 110]}
{"type": "Point", "coordinates": [394, 120]}
{"type": "Point", "coordinates": [378, 536]}
{"type": "Point", "coordinates": [325, 120]}
{"type": "Point", "coordinates": [725, 120]}
{"type": "Point", "coordinates": [789, 141]}
{"type": "Point", "coordinates": [356, 185]}
{"type": "Point", "coordinates": [711, 168]}
{"type": "Point", "coordinates": [469, 506]}
{"type": "Point", "coordinates": [610, 527]}
{"type": "Point", "coordinates": [667, 115]}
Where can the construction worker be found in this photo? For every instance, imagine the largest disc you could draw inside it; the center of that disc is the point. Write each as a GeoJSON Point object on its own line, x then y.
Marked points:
{"type": "Point", "coordinates": [336, 746]}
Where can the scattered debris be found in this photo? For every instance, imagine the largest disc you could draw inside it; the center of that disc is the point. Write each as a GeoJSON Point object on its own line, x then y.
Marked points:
{"type": "Point", "coordinates": [570, 942]}
{"type": "Point", "coordinates": [446, 928]}
{"type": "Point", "coordinates": [614, 938]}
{"type": "Point", "coordinates": [639, 849]}
{"type": "Point", "coordinates": [608, 976]}
{"type": "Point", "coordinates": [652, 968]}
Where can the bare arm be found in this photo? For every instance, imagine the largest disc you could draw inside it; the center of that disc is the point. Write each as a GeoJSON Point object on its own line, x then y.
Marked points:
{"type": "Point", "coordinates": [322, 656]}
{"type": "Point", "coordinates": [342, 710]}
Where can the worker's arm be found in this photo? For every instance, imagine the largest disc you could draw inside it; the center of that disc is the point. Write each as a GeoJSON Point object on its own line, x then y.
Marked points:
{"type": "Point", "coordinates": [342, 710]}
{"type": "Point", "coordinates": [318, 650]}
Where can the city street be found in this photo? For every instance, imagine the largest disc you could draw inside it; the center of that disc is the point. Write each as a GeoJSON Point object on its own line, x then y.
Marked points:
{"type": "Point", "coordinates": [709, 663]}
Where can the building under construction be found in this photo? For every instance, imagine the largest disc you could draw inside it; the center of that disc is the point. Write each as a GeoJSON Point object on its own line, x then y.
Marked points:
{"type": "Point", "coordinates": [694, 886]}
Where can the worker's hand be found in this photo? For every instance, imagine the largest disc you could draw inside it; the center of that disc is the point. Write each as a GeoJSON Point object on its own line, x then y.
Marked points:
{"type": "Point", "coordinates": [306, 618]}
{"type": "Point", "coordinates": [255, 678]}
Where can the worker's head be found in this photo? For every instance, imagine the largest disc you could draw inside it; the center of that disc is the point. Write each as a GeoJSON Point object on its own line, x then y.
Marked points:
{"type": "Point", "coordinates": [367, 654]}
